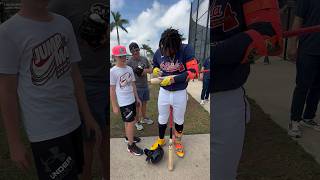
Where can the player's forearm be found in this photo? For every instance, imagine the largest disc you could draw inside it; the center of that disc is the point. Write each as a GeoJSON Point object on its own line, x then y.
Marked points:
{"type": "Point", "coordinates": [80, 93]}
{"type": "Point", "coordinates": [10, 109]}
{"type": "Point", "coordinates": [228, 52]}
{"type": "Point", "coordinates": [181, 78]}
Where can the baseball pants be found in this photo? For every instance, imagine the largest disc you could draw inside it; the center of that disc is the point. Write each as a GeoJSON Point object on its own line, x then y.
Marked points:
{"type": "Point", "coordinates": [230, 112]}
{"type": "Point", "coordinates": [178, 101]}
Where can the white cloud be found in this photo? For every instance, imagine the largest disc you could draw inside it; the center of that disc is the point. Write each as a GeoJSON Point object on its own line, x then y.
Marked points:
{"type": "Point", "coordinates": [116, 4]}
{"type": "Point", "coordinates": [147, 27]}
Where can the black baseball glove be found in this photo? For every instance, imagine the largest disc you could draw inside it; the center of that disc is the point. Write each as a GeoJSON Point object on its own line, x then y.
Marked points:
{"type": "Point", "coordinates": [139, 70]}
{"type": "Point", "coordinates": [93, 28]}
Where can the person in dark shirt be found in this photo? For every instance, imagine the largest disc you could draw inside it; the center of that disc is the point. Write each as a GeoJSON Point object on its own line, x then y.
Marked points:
{"type": "Point", "coordinates": [306, 94]}
{"type": "Point", "coordinates": [205, 77]}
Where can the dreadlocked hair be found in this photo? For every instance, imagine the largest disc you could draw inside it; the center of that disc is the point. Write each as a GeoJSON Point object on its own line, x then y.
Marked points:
{"type": "Point", "coordinates": [170, 40]}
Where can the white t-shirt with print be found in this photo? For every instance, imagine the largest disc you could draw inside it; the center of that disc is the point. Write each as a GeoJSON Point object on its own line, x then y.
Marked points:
{"type": "Point", "coordinates": [122, 78]}
{"type": "Point", "coordinates": [40, 54]}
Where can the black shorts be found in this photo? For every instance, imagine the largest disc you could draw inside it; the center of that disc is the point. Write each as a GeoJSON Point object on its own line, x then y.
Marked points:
{"type": "Point", "coordinates": [59, 158]}
{"type": "Point", "coordinates": [129, 112]}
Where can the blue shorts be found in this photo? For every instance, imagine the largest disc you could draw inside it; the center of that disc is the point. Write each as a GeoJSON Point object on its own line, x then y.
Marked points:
{"type": "Point", "coordinates": [97, 97]}
{"type": "Point", "coordinates": [143, 94]}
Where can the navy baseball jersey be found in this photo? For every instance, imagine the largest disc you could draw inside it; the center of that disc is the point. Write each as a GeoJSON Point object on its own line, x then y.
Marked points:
{"type": "Point", "coordinates": [174, 66]}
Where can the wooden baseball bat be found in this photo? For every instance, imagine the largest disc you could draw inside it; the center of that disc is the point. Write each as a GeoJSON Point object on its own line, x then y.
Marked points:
{"type": "Point", "coordinates": [302, 31]}
{"type": "Point", "coordinates": [170, 147]}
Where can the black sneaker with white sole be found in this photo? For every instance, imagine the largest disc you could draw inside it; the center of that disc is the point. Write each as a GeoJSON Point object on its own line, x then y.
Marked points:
{"type": "Point", "coordinates": [135, 150]}
{"type": "Point", "coordinates": [135, 139]}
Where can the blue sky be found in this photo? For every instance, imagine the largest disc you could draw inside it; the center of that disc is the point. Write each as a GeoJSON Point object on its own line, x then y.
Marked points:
{"type": "Point", "coordinates": [132, 8]}
{"type": "Point", "coordinates": [149, 18]}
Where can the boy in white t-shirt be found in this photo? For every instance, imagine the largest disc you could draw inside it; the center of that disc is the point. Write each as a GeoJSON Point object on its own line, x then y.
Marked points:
{"type": "Point", "coordinates": [124, 96]}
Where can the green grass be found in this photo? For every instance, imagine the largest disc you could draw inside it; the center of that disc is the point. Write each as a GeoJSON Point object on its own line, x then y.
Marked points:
{"type": "Point", "coordinates": [270, 154]}
{"type": "Point", "coordinates": [197, 119]}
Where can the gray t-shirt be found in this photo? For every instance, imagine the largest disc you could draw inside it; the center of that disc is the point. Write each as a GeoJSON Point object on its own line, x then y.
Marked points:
{"type": "Point", "coordinates": [93, 66]}
{"type": "Point", "coordinates": [40, 54]}
{"type": "Point", "coordinates": [141, 81]}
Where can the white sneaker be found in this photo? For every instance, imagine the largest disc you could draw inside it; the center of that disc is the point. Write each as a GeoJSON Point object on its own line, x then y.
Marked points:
{"type": "Point", "coordinates": [310, 123]}
{"type": "Point", "coordinates": [202, 102]}
{"type": "Point", "coordinates": [138, 126]}
{"type": "Point", "coordinates": [294, 129]}
{"type": "Point", "coordinates": [146, 121]}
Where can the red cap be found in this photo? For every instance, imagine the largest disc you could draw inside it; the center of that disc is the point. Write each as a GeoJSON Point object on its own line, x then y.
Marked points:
{"type": "Point", "coordinates": [119, 51]}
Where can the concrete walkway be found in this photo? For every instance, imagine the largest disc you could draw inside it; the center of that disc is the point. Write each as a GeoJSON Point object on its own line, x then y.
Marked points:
{"type": "Point", "coordinates": [271, 86]}
{"type": "Point", "coordinates": [195, 165]}
{"type": "Point", "coordinates": [194, 89]}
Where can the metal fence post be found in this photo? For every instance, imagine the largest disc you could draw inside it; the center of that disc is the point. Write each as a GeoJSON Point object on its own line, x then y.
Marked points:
{"type": "Point", "coordinates": [1, 11]}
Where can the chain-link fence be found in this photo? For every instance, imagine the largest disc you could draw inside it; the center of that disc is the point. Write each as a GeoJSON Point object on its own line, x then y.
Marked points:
{"type": "Point", "coordinates": [287, 16]}
{"type": "Point", "coordinates": [199, 32]}
{"type": "Point", "coordinates": [8, 9]}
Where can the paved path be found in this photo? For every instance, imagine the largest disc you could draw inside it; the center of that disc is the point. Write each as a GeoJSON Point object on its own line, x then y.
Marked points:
{"type": "Point", "coordinates": [195, 165]}
{"type": "Point", "coordinates": [194, 89]}
{"type": "Point", "coordinates": [271, 86]}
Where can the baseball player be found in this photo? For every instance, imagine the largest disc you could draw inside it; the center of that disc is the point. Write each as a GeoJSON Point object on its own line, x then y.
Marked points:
{"type": "Point", "coordinates": [173, 58]}
{"type": "Point", "coordinates": [241, 32]}
{"type": "Point", "coordinates": [124, 96]}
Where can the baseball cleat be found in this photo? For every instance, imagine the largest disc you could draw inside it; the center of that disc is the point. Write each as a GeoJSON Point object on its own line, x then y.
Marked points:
{"type": "Point", "coordinates": [160, 142]}
{"type": "Point", "coordinates": [179, 149]}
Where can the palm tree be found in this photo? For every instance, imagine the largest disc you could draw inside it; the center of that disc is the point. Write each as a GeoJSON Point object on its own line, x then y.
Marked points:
{"type": "Point", "coordinates": [147, 49]}
{"type": "Point", "coordinates": [118, 23]}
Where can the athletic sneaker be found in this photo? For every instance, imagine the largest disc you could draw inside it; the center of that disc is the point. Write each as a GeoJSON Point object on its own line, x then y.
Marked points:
{"type": "Point", "coordinates": [294, 129]}
{"type": "Point", "coordinates": [135, 150]}
{"type": "Point", "coordinates": [206, 100]}
{"type": "Point", "coordinates": [138, 126]}
{"type": "Point", "coordinates": [160, 142]}
{"type": "Point", "coordinates": [146, 121]}
{"type": "Point", "coordinates": [310, 123]}
{"type": "Point", "coordinates": [202, 102]}
{"type": "Point", "coordinates": [135, 139]}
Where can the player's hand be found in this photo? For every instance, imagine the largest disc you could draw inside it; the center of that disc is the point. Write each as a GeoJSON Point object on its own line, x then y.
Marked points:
{"type": "Point", "coordinates": [167, 81]}
{"type": "Point", "coordinates": [156, 72]}
{"type": "Point", "coordinates": [92, 127]}
{"type": "Point", "coordinates": [115, 110]}
{"type": "Point", "coordinates": [19, 156]}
